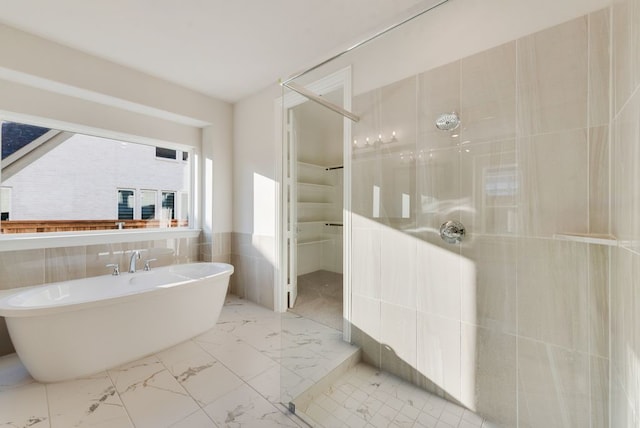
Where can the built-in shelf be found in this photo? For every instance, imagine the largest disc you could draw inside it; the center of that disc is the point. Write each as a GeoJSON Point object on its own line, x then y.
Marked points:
{"type": "Point", "coordinates": [318, 185]}
{"type": "Point", "coordinates": [310, 241]}
{"type": "Point", "coordinates": [311, 165]}
{"type": "Point", "coordinates": [588, 238]}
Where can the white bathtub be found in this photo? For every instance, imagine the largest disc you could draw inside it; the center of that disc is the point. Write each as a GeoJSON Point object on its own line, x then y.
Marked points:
{"type": "Point", "coordinates": [75, 328]}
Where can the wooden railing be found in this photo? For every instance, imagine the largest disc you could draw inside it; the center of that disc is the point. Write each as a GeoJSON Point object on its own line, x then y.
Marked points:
{"type": "Point", "coordinates": [37, 226]}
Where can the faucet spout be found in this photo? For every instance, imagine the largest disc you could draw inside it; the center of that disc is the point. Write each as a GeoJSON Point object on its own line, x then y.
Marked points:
{"type": "Point", "coordinates": [135, 255]}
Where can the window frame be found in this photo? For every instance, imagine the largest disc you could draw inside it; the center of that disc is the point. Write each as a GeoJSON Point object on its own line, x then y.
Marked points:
{"type": "Point", "coordinates": [44, 240]}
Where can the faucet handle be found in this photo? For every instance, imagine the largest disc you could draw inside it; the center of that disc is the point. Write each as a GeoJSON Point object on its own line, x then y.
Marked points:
{"type": "Point", "coordinates": [147, 264]}
{"type": "Point", "coordinates": [116, 268]}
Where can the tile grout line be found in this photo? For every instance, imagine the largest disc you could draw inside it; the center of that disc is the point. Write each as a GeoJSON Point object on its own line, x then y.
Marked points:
{"type": "Point", "coordinates": [196, 401]}
{"type": "Point", "coordinates": [126, 410]}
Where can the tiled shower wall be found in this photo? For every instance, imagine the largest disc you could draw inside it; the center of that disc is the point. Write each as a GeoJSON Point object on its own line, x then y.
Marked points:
{"type": "Point", "coordinates": [625, 218]}
{"type": "Point", "coordinates": [513, 322]}
{"type": "Point", "coordinates": [35, 267]}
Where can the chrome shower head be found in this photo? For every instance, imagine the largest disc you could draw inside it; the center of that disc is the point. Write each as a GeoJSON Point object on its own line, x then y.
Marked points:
{"type": "Point", "coordinates": [448, 121]}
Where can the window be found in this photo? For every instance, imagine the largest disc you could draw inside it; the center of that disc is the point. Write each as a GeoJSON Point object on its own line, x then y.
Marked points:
{"type": "Point", "coordinates": [168, 205]}
{"type": "Point", "coordinates": [161, 152]}
{"type": "Point", "coordinates": [5, 203]}
{"type": "Point", "coordinates": [126, 204]}
{"type": "Point", "coordinates": [64, 181]}
{"type": "Point", "coordinates": [148, 204]}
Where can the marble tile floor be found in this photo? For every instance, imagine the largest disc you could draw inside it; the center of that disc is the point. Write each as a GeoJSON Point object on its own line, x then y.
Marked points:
{"type": "Point", "coordinates": [234, 375]}
{"type": "Point", "coordinates": [320, 298]}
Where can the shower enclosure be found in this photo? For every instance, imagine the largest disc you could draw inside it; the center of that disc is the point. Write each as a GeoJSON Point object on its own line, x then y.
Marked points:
{"type": "Point", "coordinates": [483, 218]}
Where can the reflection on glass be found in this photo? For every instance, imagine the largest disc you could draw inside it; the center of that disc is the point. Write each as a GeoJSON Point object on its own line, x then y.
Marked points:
{"type": "Point", "coordinates": [55, 180]}
{"type": "Point", "coordinates": [5, 203]}
{"type": "Point", "coordinates": [406, 206]}
{"type": "Point", "coordinates": [376, 201]}
{"type": "Point", "coordinates": [168, 205]}
{"type": "Point", "coordinates": [126, 204]}
{"type": "Point", "coordinates": [148, 204]}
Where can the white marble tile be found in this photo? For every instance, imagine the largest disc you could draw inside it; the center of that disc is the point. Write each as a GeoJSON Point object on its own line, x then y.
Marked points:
{"type": "Point", "coordinates": [198, 419]}
{"type": "Point", "coordinates": [204, 378]}
{"type": "Point", "coordinates": [277, 382]}
{"type": "Point", "coordinates": [258, 336]}
{"type": "Point", "coordinates": [152, 396]}
{"type": "Point", "coordinates": [25, 406]}
{"type": "Point", "coordinates": [242, 359]}
{"type": "Point", "coordinates": [13, 373]}
{"type": "Point", "coordinates": [87, 402]}
{"type": "Point", "coordinates": [244, 407]}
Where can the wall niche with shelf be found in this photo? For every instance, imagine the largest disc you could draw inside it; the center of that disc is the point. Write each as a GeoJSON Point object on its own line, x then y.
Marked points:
{"type": "Point", "coordinates": [319, 222]}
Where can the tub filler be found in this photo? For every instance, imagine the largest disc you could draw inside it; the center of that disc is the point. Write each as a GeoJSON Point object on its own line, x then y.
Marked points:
{"type": "Point", "coordinates": [76, 328]}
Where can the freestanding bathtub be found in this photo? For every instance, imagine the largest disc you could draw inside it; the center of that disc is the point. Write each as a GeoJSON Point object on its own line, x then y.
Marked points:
{"type": "Point", "coordinates": [75, 328]}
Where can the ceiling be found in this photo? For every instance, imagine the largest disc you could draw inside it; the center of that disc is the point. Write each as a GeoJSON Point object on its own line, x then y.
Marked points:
{"type": "Point", "coordinates": [227, 49]}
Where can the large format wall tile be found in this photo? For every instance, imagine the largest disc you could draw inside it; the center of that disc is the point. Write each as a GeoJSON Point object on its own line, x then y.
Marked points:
{"type": "Point", "coordinates": [438, 191]}
{"type": "Point", "coordinates": [397, 268]}
{"type": "Point", "coordinates": [398, 108]}
{"type": "Point", "coordinates": [253, 276]}
{"type": "Point", "coordinates": [365, 262]}
{"type": "Point", "coordinates": [599, 192]}
{"type": "Point", "coordinates": [626, 173]}
{"type": "Point", "coordinates": [599, 69]}
{"type": "Point", "coordinates": [439, 352]}
{"type": "Point", "coordinates": [553, 79]}
{"type": "Point", "coordinates": [488, 95]}
{"type": "Point", "coordinates": [493, 297]}
{"type": "Point", "coordinates": [63, 264]}
{"type": "Point", "coordinates": [555, 179]}
{"type": "Point", "coordinates": [622, 314]}
{"type": "Point", "coordinates": [552, 292]}
{"type": "Point", "coordinates": [489, 186]}
{"type": "Point", "coordinates": [438, 93]}
{"type": "Point", "coordinates": [553, 386]}
{"type": "Point", "coordinates": [488, 374]}
{"type": "Point", "coordinates": [599, 300]}
{"type": "Point", "coordinates": [21, 268]}
{"type": "Point", "coordinates": [439, 277]}
{"type": "Point", "coordinates": [626, 58]}
{"type": "Point", "coordinates": [599, 378]}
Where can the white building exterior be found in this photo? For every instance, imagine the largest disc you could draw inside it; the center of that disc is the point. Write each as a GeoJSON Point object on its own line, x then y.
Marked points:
{"type": "Point", "coordinates": [80, 179]}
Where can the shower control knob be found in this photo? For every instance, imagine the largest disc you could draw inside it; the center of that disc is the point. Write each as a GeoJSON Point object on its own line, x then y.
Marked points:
{"type": "Point", "coordinates": [452, 232]}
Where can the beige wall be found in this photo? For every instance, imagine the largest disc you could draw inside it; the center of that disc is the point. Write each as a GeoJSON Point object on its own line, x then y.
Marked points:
{"type": "Point", "coordinates": [48, 84]}
{"type": "Point", "coordinates": [625, 215]}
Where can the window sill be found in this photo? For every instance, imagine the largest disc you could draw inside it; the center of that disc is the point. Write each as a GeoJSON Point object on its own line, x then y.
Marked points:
{"type": "Point", "coordinates": [32, 241]}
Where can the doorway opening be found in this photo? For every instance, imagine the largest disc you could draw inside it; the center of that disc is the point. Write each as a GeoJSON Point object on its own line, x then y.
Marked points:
{"type": "Point", "coordinates": [316, 172]}
{"type": "Point", "coordinates": [315, 225]}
